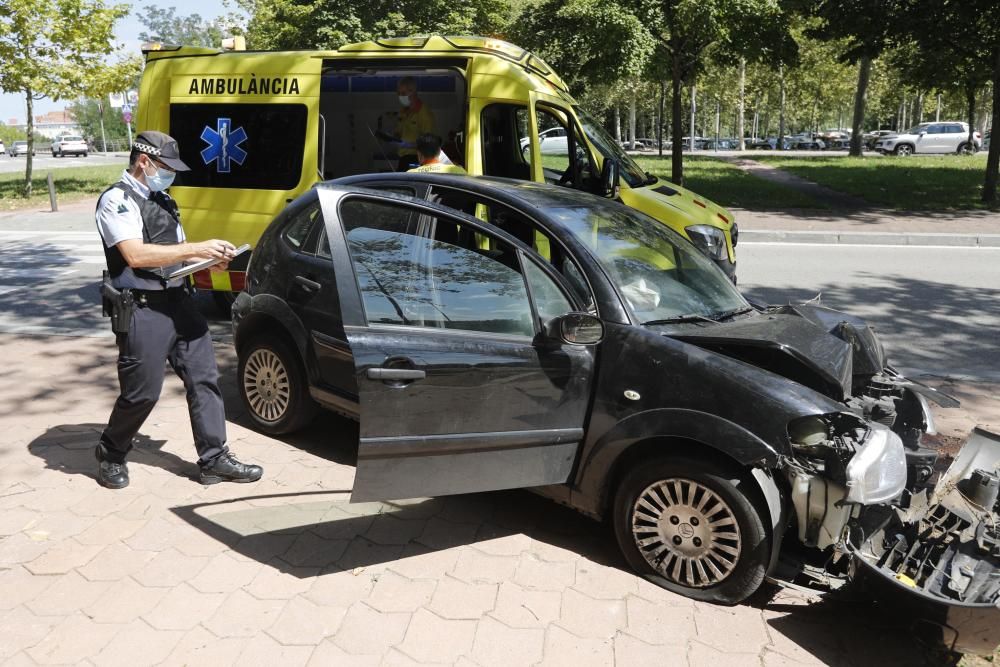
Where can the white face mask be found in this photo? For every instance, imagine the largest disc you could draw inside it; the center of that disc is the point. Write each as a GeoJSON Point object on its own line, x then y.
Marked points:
{"type": "Point", "coordinates": [404, 100]}
{"type": "Point", "coordinates": [160, 180]}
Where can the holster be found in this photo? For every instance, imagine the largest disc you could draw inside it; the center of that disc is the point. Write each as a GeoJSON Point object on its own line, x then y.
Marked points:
{"type": "Point", "coordinates": [117, 304]}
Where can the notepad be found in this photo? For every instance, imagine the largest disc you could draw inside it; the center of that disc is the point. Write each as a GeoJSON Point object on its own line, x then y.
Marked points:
{"type": "Point", "coordinates": [205, 264]}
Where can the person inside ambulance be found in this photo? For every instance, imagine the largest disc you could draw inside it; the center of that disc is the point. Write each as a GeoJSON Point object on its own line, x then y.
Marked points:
{"type": "Point", "coordinates": [415, 119]}
{"type": "Point", "coordinates": [432, 158]}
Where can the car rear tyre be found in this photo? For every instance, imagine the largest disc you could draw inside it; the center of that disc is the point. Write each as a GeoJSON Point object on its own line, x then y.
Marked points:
{"type": "Point", "coordinates": [687, 525]}
{"type": "Point", "coordinates": [964, 149]}
{"type": "Point", "coordinates": [274, 386]}
{"type": "Point", "coordinates": [904, 150]}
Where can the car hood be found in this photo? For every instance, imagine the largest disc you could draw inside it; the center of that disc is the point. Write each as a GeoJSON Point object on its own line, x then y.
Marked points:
{"type": "Point", "coordinates": [818, 347]}
{"type": "Point", "coordinates": [666, 201]}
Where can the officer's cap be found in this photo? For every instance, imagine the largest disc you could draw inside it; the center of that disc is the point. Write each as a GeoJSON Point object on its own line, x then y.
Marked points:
{"type": "Point", "coordinates": [161, 146]}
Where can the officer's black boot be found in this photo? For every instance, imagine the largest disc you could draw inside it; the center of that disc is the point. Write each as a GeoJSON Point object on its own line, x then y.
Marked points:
{"type": "Point", "coordinates": [110, 474]}
{"type": "Point", "coordinates": [225, 468]}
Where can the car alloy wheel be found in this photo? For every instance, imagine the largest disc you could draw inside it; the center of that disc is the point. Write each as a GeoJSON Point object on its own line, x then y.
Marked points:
{"type": "Point", "coordinates": [273, 385]}
{"type": "Point", "coordinates": [686, 532]}
{"type": "Point", "coordinates": [265, 381]}
{"type": "Point", "coordinates": [904, 150]}
{"type": "Point", "coordinates": [693, 526]}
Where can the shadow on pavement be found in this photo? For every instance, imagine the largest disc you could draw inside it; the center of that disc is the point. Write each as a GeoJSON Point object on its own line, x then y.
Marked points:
{"type": "Point", "coordinates": [956, 325]}
{"type": "Point", "coordinates": [69, 448]}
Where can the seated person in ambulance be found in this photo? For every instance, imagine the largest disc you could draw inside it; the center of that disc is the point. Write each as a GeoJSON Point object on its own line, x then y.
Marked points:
{"type": "Point", "coordinates": [432, 158]}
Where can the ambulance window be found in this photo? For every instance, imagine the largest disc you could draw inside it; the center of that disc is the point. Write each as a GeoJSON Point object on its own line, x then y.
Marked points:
{"type": "Point", "coordinates": [247, 146]}
{"type": "Point", "coordinates": [504, 132]}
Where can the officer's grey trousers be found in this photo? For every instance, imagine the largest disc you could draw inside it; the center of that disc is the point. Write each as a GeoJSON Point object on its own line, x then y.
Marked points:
{"type": "Point", "coordinates": [173, 332]}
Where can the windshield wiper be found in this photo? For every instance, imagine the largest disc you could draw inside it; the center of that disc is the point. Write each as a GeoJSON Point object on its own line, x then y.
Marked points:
{"type": "Point", "coordinates": [726, 314]}
{"type": "Point", "coordinates": [690, 317]}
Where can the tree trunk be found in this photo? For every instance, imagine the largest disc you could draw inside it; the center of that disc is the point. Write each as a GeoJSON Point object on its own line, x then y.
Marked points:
{"type": "Point", "coordinates": [694, 113]}
{"type": "Point", "coordinates": [920, 108]}
{"type": "Point", "coordinates": [741, 107]}
{"type": "Point", "coordinates": [677, 150]}
{"type": "Point", "coordinates": [781, 107]}
{"type": "Point", "coordinates": [970, 98]}
{"type": "Point", "coordinates": [659, 124]}
{"type": "Point", "coordinates": [864, 71]}
{"type": "Point", "coordinates": [937, 116]}
{"type": "Point", "coordinates": [631, 119]}
{"type": "Point", "coordinates": [717, 110]}
{"type": "Point", "coordinates": [30, 104]}
{"type": "Point", "coordinates": [618, 124]}
{"type": "Point", "coordinates": [993, 160]}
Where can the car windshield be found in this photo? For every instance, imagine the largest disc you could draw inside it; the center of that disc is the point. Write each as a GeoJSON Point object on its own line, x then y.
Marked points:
{"type": "Point", "coordinates": [610, 149]}
{"type": "Point", "coordinates": [661, 276]}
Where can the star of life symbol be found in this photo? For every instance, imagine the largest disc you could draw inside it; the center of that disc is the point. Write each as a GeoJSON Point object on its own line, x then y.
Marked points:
{"type": "Point", "coordinates": [223, 145]}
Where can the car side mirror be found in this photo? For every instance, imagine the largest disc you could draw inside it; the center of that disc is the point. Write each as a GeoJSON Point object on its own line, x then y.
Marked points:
{"type": "Point", "coordinates": [921, 133]}
{"type": "Point", "coordinates": [573, 329]}
{"type": "Point", "coordinates": [610, 178]}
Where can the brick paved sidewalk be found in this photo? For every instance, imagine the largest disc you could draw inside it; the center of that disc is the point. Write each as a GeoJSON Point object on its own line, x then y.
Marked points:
{"type": "Point", "coordinates": [287, 572]}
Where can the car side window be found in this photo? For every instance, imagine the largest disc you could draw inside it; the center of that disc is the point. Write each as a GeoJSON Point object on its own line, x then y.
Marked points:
{"type": "Point", "coordinates": [297, 231]}
{"type": "Point", "coordinates": [520, 227]}
{"type": "Point", "coordinates": [428, 271]}
{"type": "Point", "coordinates": [549, 299]}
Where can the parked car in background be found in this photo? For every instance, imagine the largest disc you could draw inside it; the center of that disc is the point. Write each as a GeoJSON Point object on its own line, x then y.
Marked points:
{"type": "Point", "coordinates": [806, 142]}
{"type": "Point", "coordinates": [986, 140]}
{"type": "Point", "coordinates": [3, 149]}
{"type": "Point", "coordinates": [945, 137]}
{"type": "Point", "coordinates": [725, 144]}
{"type": "Point", "coordinates": [871, 138]}
{"type": "Point", "coordinates": [493, 334]}
{"type": "Point", "coordinates": [551, 142]}
{"type": "Point", "coordinates": [19, 148]}
{"type": "Point", "coordinates": [69, 144]}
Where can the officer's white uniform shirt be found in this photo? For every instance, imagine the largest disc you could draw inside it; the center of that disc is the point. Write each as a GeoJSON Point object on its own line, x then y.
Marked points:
{"type": "Point", "coordinates": [118, 216]}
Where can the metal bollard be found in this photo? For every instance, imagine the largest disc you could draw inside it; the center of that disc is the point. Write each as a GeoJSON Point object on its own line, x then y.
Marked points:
{"type": "Point", "coordinates": [52, 192]}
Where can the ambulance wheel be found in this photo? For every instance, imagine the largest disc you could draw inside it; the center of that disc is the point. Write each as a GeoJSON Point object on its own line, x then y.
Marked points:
{"type": "Point", "coordinates": [274, 386]}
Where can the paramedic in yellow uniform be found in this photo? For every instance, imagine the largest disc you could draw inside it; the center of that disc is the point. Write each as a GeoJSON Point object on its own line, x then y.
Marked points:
{"type": "Point", "coordinates": [415, 119]}
{"type": "Point", "coordinates": [432, 159]}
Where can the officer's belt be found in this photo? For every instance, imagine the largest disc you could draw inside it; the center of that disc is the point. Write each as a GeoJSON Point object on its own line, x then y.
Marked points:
{"type": "Point", "coordinates": [162, 297]}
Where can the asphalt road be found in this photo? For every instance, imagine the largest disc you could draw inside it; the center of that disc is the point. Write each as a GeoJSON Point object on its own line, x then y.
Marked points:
{"type": "Point", "coordinates": [936, 307]}
{"type": "Point", "coordinates": [45, 162]}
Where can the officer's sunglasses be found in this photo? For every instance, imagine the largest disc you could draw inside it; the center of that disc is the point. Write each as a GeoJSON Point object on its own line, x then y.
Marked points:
{"type": "Point", "coordinates": [159, 164]}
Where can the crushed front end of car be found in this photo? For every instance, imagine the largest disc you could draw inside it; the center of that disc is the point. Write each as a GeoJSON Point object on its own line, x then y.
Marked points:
{"type": "Point", "coordinates": [935, 553]}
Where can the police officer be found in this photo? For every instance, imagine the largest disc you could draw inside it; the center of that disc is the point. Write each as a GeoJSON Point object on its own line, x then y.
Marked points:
{"type": "Point", "coordinates": [143, 243]}
{"type": "Point", "coordinates": [432, 158]}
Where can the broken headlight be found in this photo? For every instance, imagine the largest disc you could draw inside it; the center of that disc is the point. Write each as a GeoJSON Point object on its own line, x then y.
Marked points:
{"type": "Point", "coordinates": [877, 472]}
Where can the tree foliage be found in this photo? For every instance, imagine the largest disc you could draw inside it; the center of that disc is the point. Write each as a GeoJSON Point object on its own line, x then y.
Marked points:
{"type": "Point", "coordinates": [164, 25]}
{"type": "Point", "coordinates": [52, 48]}
{"type": "Point", "coordinates": [328, 24]}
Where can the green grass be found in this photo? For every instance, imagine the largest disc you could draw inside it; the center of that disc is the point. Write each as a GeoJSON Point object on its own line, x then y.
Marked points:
{"type": "Point", "coordinates": [914, 183]}
{"type": "Point", "coordinates": [728, 185]}
{"type": "Point", "coordinates": [72, 183]}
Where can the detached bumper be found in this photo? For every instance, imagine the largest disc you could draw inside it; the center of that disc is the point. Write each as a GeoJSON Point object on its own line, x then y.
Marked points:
{"type": "Point", "coordinates": [937, 562]}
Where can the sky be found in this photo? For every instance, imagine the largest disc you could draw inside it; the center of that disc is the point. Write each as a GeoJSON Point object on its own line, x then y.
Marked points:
{"type": "Point", "coordinates": [127, 32]}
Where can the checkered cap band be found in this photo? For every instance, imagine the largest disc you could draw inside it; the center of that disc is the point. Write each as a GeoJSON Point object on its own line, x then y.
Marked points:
{"type": "Point", "coordinates": [146, 148]}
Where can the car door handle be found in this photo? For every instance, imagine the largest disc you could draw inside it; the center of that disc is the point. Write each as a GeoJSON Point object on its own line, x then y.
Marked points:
{"type": "Point", "coordinates": [395, 374]}
{"type": "Point", "coordinates": [307, 284]}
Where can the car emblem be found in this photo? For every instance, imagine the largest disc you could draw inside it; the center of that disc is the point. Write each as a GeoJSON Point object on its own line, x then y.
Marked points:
{"type": "Point", "coordinates": [632, 395]}
{"type": "Point", "coordinates": [223, 145]}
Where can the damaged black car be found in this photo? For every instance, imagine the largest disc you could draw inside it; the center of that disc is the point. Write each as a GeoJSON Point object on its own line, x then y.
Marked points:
{"type": "Point", "coordinates": [493, 334]}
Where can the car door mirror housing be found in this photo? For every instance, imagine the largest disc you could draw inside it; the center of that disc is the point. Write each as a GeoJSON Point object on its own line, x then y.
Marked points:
{"type": "Point", "coordinates": [610, 178]}
{"type": "Point", "coordinates": [573, 329]}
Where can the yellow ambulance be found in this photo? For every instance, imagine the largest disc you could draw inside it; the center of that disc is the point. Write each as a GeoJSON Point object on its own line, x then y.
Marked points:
{"type": "Point", "coordinates": [260, 128]}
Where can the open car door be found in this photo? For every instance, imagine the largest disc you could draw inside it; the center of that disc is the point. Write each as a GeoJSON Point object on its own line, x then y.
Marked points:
{"type": "Point", "coordinates": [457, 390]}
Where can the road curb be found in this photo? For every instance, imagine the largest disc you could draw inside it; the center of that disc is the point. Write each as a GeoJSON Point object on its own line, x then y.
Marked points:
{"type": "Point", "coordinates": [870, 238]}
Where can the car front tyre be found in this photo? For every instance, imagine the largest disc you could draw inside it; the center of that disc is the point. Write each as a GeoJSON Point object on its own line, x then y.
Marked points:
{"type": "Point", "coordinates": [686, 525]}
{"type": "Point", "coordinates": [274, 386]}
{"type": "Point", "coordinates": [904, 150]}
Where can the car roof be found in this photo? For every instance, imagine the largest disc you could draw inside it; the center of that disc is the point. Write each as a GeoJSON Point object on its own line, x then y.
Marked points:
{"type": "Point", "coordinates": [538, 196]}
